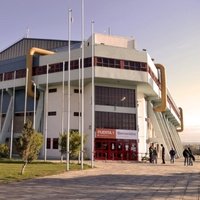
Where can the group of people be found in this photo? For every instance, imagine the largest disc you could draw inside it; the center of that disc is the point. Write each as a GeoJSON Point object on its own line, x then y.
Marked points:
{"type": "Point", "coordinates": [153, 155]}
{"type": "Point", "coordinates": [188, 156]}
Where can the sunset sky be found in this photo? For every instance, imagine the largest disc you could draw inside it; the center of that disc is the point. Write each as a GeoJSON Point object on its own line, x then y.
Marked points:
{"type": "Point", "coordinates": [169, 30]}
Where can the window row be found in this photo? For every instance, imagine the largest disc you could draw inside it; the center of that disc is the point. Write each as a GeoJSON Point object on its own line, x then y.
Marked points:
{"type": "Point", "coordinates": [39, 70]}
{"type": "Point", "coordinates": [115, 120]}
{"type": "Point", "coordinates": [74, 64]}
{"type": "Point", "coordinates": [122, 64]}
{"type": "Point", "coordinates": [53, 143]}
{"type": "Point", "coordinates": [107, 62]}
{"type": "Point", "coordinates": [54, 113]}
{"type": "Point", "coordinates": [53, 90]}
{"type": "Point", "coordinates": [115, 96]}
{"type": "Point", "coordinates": [28, 114]}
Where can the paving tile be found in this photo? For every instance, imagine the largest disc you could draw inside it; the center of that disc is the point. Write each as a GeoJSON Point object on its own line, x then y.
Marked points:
{"type": "Point", "coordinates": [112, 181]}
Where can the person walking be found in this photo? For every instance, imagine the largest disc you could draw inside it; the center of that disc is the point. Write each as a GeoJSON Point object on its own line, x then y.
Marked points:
{"type": "Point", "coordinates": [155, 155]}
{"type": "Point", "coordinates": [163, 154]}
{"type": "Point", "coordinates": [186, 156]}
{"type": "Point", "coordinates": [151, 153]}
{"type": "Point", "coordinates": [172, 154]}
{"type": "Point", "coordinates": [191, 157]}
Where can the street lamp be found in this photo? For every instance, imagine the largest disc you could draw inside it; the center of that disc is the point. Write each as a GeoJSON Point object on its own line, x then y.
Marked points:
{"type": "Point", "coordinates": [13, 115]}
{"type": "Point", "coordinates": [46, 112]}
{"type": "Point", "coordinates": [34, 107]}
{"type": "Point", "coordinates": [25, 100]}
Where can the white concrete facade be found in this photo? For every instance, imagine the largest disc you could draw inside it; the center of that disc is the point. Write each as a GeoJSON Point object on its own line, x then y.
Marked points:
{"type": "Point", "coordinates": [151, 127]}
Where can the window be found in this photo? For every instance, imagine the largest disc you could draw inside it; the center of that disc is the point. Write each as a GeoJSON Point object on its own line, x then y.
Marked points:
{"type": "Point", "coordinates": [115, 120]}
{"type": "Point", "coordinates": [21, 73]}
{"type": "Point", "coordinates": [74, 64]}
{"type": "Point", "coordinates": [39, 70]}
{"type": "Point", "coordinates": [48, 143]}
{"type": "Point", "coordinates": [52, 90]}
{"type": "Point", "coordinates": [55, 143]}
{"type": "Point", "coordinates": [76, 114]}
{"type": "Point", "coordinates": [114, 96]}
{"type": "Point", "coordinates": [87, 62]}
{"type": "Point", "coordinates": [57, 67]}
{"type": "Point", "coordinates": [52, 113]}
{"type": "Point", "coordinates": [77, 91]}
{"type": "Point", "coordinates": [1, 77]}
{"type": "Point", "coordinates": [8, 76]}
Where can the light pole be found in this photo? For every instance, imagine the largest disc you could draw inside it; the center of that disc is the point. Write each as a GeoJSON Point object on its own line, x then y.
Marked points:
{"type": "Point", "coordinates": [46, 113]}
{"type": "Point", "coordinates": [34, 104]}
{"type": "Point", "coordinates": [25, 100]}
{"type": "Point", "coordinates": [13, 115]}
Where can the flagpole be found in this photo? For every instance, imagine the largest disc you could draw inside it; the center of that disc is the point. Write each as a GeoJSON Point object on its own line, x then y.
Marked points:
{"type": "Point", "coordinates": [63, 99]}
{"type": "Point", "coordinates": [93, 111]}
{"type": "Point", "coordinates": [79, 94]}
{"type": "Point", "coordinates": [13, 110]}
{"type": "Point", "coordinates": [79, 98]}
{"type": "Point", "coordinates": [82, 113]}
{"type": "Point", "coordinates": [68, 107]}
{"type": "Point", "coordinates": [1, 104]}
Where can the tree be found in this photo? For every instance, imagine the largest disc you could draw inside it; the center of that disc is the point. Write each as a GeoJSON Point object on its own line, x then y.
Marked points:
{"type": "Point", "coordinates": [74, 143]}
{"type": "Point", "coordinates": [4, 151]}
{"type": "Point", "coordinates": [29, 144]}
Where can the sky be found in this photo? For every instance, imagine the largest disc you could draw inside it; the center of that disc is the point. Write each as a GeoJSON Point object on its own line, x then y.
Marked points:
{"type": "Point", "coordinates": [169, 30]}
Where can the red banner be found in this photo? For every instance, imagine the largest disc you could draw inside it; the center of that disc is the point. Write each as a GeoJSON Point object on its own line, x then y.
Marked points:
{"type": "Point", "coordinates": [105, 133]}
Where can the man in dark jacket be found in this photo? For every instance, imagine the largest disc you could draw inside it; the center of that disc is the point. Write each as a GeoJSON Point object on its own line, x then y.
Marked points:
{"type": "Point", "coordinates": [191, 157]}
{"type": "Point", "coordinates": [172, 154]}
{"type": "Point", "coordinates": [163, 154]}
{"type": "Point", "coordinates": [186, 156]}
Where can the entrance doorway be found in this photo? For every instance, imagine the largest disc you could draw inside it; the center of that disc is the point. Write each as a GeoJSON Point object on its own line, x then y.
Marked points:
{"type": "Point", "coordinates": [116, 149]}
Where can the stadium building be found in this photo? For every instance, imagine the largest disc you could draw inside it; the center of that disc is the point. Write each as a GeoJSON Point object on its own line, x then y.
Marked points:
{"type": "Point", "coordinates": [117, 95]}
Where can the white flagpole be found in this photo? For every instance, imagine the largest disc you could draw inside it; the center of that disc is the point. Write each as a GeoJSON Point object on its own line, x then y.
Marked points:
{"type": "Point", "coordinates": [13, 114]}
{"type": "Point", "coordinates": [79, 103]}
{"type": "Point", "coordinates": [79, 94]}
{"type": "Point", "coordinates": [82, 113]}
{"type": "Point", "coordinates": [26, 89]}
{"type": "Point", "coordinates": [93, 111]}
{"type": "Point", "coordinates": [46, 114]}
{"type": "Point", "coordinates": [68, 107]}
{"type": "Point", "coordinates": [63, 98]}
{"type": "Point", "coordinates": [1, 103]}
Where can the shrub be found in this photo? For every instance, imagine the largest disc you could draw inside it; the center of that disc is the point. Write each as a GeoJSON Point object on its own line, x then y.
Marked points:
{"type": "Point", "coordinates": [4, 151]}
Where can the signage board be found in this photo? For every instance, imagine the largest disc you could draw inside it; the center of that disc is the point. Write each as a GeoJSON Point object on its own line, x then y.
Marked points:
{"type": "Point", "coordinates": [116, 134]}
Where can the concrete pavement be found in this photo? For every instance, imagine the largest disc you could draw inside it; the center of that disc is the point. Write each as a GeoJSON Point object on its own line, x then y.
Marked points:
{"type": "Point", "coordinates": [113, 181]}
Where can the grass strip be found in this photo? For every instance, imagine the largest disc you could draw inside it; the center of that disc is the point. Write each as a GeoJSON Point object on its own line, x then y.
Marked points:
{"type": "Point", "coordinates": [10, 169]}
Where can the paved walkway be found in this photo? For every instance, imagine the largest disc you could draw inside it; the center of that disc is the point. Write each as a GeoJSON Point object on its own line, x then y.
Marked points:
{"type": "Point", "coordinates": [113, 181]}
